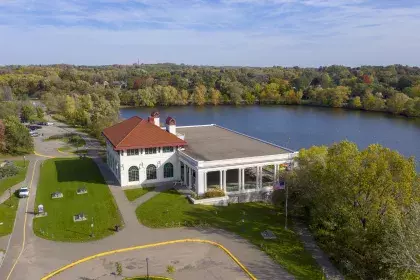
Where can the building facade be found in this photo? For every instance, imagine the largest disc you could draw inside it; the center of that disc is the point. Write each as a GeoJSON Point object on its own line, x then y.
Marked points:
{"type": "Point", "coordinates": [205, 157]}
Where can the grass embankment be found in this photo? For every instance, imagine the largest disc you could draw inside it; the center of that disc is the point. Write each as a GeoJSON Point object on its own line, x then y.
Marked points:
{"type": "Point", "coordinates": [66, 176]}
{"type": "Point", "coordinates": [133, 194]}
{"type": "Point", "coordinates": [9, 182]}
{"type": "Point", "coordinates": [9, 207]}
{"type": "Point", "coordinates": [170, 209]}
{"type": "Point", "coordinates": [8, 215]}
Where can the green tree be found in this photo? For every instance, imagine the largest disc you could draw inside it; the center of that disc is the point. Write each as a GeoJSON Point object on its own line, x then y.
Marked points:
{"type": "Point", "coordinates": [69, 106]}
{"type": "Point", "coordinates": [351, 197]}
{"type": "Point", "coordinates": [412, 107]}
{"type": "Point", "coordinates": [372, 103]}
{"type": "Point", "coordinates": [2, 137]}
{"type": "Point", "coordinates": [28, 112]}
{"type": "Point", "coordinates": [145, 97]}
{"type": "Point", "coordinates": [249, 98]}
{"type": "Point", "coordinates": [39, 113]}
{"type": "Point", "coordinates": [396, 104]}
{"type": "Point", "coordinates": [338, 96]}
{"type": "Point", "coordinates": [270, 93]}
{"type": "Point", "coordinates": [17, 138]}
{"type": "Point", "coordinates": [183, 97]}
{"type": "Point", "coordinates": [199, 95]}
{"type": "Point", "coordinates": [356, 102]}
{"type": "Point", "coordinates": [215, 96]}
{"type": "Point", "coordinates": [402, 243]}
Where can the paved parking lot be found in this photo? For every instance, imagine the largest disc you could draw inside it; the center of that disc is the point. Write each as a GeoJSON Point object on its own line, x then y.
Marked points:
{"type": "Point", "coordinates": [191, 261]}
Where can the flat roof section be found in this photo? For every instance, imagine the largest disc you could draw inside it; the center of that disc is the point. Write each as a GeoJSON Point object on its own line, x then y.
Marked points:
{"type": "Point", "coordinates": [212, 142]}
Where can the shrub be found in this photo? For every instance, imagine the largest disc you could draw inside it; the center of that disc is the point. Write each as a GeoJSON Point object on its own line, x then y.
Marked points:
{"type": "Point", "coordinates": [119, 268]}
{"type": "Point", "coordinates": [170, 269]}
{"type": "Point", "coordinates": [214, 193]}
{"type": "Point", "coordinates": [8, 170]}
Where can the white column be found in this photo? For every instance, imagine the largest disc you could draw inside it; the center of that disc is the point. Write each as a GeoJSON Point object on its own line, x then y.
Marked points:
{"type": "Point", "coordinates": [224, 180]}
{"type": "Point", "coordinates": [257, 177]}
{"type": "Point", "coordinates": [261, 176]}
{"type": "Point", "coordinates": [185, 174]}
{"type": "Point", "coordinates": [221, 179]}
{"type": "Point", "coordinates": [275, 172]}
{"type": "Point", "coordinates": [239, 179]}
{"type": "Point", "coordinates": [205, 181]}
{"type": "Point", "coordinates": [189, 177]}
{"type": "Point", "coordinates": [243, 178]}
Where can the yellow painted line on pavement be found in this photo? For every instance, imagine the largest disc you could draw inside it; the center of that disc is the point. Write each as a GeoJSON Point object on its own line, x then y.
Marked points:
{"type": "Point", "coordinates": [24, 224]}
{"type": "Point", "coordinates": [151, 276]}
{"type": "Point", "coordinates": [251, 276]}
{"type": "Point", "coordinates": [65, 153]}
{"type": "Point", "coordinates": [40, 155]}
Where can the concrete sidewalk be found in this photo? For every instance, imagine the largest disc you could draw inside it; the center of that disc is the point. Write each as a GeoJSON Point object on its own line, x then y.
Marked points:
{"type": "Point", "coordinates": [320, 257]}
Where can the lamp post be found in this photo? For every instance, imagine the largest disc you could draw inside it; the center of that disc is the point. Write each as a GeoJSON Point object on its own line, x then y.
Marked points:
{"type": "Point", "coordinates": [24, 161]}
{"type": "Point", "coordinates": [91, 225]}
{"type": "Point", "coordinates": [10, 196]}
{"type": "Point", "coordinates": [147, 268]}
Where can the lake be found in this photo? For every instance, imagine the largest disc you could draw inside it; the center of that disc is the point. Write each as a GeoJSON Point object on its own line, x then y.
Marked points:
{"type": "Point", "coordinates": [299, 127]}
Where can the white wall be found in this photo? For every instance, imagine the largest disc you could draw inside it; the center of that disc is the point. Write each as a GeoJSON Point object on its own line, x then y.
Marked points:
{"type": "Point", "coordinates": [143, 160]}
{"type": "Point", "coordinates": [113, 160]}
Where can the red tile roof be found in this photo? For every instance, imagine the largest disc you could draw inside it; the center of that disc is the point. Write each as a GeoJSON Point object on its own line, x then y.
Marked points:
{"type": "Point", "coordinates": [138, 133]}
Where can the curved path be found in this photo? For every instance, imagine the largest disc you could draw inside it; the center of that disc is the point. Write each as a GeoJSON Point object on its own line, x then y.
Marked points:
{"type": "Point", "coordinates": [30, 257]}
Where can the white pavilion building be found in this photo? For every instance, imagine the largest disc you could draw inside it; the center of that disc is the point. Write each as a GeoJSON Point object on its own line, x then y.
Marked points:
{"type": "Point", "coordinates": [140, 152]}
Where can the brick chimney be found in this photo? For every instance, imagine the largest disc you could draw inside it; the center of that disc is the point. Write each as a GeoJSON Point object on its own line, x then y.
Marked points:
{"type": "Point", "coordinates": [155, 117]}
{"type": "Point", "coordinates": [171, 125]}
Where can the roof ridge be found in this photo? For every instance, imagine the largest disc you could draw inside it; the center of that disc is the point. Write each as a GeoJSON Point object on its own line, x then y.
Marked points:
{"type": "Point", "coordinates": [141, 120]}
{"type": "Point", "coordinates": [123, 121]}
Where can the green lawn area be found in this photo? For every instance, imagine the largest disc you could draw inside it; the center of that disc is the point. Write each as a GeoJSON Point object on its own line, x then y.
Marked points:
{"type": "Point", "coordinates": [71, 139]}
{"type": "Point", "coordinates": [133, 194]}
{"type": "Point", "coordinates": [170, 209]}
{"type": "Point", "coordinates": [8, 214]}
{"type": "Point", "coordinates": [9, 182]}
{"type": "Point", "coordinates": [66, 175]}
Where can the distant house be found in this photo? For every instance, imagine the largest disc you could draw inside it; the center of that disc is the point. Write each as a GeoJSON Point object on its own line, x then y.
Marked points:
{"type": "Point", "coordinates": [120, 84]}
{"type": "Point", "coordinates": [202, 157]}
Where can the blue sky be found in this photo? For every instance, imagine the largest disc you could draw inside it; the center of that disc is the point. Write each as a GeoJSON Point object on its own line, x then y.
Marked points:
{"type": "Point", "coordinates": [210, 32]}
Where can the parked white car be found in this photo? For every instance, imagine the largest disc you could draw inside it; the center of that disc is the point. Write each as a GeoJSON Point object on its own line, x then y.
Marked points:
{"type": "Point", "coordinates": [23, 192]}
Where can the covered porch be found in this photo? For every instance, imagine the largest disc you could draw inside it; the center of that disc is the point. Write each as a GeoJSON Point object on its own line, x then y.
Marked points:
{"type": "Point", "coordinates": [232, 179]}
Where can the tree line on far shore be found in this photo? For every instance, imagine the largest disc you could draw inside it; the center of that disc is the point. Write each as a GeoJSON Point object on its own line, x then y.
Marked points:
{"type": "Point", "coordinates": [394, 89]}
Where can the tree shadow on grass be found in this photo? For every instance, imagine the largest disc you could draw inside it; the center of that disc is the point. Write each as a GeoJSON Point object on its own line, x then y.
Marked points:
{"type": "Point", "coordinates": [78, 169]}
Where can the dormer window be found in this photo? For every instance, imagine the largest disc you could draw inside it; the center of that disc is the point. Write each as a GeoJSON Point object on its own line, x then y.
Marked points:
{"type": "Point", "coordinates": [149, 151]}
{"type": "Point", "coordinates": [168, 149]}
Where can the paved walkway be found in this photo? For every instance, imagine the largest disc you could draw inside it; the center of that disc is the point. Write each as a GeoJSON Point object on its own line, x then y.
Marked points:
{"type": "Point", "coordinates": [321, 258]}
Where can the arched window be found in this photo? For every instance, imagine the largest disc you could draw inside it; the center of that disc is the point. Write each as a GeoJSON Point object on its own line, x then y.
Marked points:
{"type": "Point", "coordinates": [133, 174]}
{"type": "Point", "coordinates": [151, 172]}
{"type": "Point", "coordinates": [168, 170]}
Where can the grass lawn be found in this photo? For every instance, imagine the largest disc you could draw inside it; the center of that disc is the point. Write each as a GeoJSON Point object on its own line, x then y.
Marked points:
{"type": "Point", "coordinates": [66, 175]}
{"type": "Point", "coordinates": [133, 194]}
{"type": "Point", "coordinates": [170, 209]}
{"type": "Point", "coordinates": [9, 182]}
{"type": "Point", "coordinates": [8, 214]}
{"type": "Point", "coordinates": [71, 139]}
